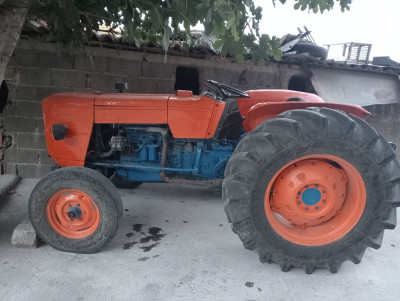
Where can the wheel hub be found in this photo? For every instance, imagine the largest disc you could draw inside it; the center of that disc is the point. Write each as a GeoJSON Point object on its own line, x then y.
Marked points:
{"type": "Point", "coordinates": [74, 212]}
{"type": "Point", "coordinates": [309, 192]}
{"type": "Point", "coordinates": [311, 196]}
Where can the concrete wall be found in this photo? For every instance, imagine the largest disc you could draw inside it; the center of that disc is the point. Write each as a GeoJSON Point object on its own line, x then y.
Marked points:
{"type": "Point", "coordinates": [386, 120]}
{"type": "Point", "coordinates": [356, 87]}
{"type": "Point", "coordinates": [36, 70]}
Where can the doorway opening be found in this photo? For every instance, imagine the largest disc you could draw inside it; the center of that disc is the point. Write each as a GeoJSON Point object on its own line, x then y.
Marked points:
{"type": "Point", "coordinates": [187, 78]}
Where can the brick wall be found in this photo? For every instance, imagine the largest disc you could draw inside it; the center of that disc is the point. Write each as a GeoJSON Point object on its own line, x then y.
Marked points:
{"type": "Point", "coordinates": [37, 70]}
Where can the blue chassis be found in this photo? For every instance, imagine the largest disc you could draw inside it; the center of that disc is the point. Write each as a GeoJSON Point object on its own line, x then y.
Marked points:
{"type": "Point", "coordinates": [208, 161]}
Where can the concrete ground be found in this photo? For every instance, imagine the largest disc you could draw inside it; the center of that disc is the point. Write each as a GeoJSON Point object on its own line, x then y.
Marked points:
{"type": "Point", "coordinates": [199, 258]}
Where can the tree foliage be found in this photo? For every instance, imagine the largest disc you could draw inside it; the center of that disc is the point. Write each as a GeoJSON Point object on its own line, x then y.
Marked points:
{"type": "Point", "coordinates": [235, 23]}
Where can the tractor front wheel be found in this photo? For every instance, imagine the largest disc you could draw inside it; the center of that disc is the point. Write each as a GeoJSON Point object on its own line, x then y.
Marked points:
{"type": "Point", "coordinates": [75, 209]}
{"type": "Point", "coordinates": [312, 189]}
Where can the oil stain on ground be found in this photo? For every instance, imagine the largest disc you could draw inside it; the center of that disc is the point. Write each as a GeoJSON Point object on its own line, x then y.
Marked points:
{"type": "Point", "coordinates": [137, 227]}
{"type": "Point", "coordinates": [154, 234]}
{"type": "Point", "coordinates": [148, 248]}
{"type": "Point", "coordinates": [249, 284]}
{"type": "Point", "coordinates": [129, 245]}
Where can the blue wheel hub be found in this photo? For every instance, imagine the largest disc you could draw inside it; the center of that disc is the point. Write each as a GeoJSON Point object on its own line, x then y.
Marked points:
{"type": "Point", "coordinates": [311, 196]}
{"type": "Point", "coordinates": [74, 212]}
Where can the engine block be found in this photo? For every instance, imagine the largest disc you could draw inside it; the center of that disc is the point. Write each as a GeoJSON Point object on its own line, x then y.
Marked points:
{"type": "Point", "coordinates": [139, 151]}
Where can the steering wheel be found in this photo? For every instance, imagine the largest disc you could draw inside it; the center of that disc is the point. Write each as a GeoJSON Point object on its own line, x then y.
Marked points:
{"type": "Point", "coordinates": [226, 91]}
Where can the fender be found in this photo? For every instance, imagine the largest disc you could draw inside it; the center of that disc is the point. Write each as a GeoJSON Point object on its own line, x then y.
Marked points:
{"type": "Point", "coordinates": [273, 96]}
{"type": "Point", "coordinates": [263, 111]}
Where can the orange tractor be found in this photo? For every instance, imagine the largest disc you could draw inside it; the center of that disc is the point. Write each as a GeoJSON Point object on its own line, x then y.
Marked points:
{"type": "Point", "coordinates": [306, 183]}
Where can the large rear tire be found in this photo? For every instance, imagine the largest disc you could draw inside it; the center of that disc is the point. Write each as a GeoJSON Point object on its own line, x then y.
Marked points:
{"type": "Point", "coordinates": [312, 189]}
{"type": "Point", "coordinates": [75, 209]}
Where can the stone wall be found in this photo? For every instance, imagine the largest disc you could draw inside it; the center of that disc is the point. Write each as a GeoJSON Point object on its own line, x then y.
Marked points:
{"type": "Point", "coordinates": [37, 70]}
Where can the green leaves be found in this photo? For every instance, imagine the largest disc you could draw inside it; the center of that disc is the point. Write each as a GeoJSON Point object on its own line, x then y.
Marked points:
{"type": "Point", "coordinates": [265, 49]}
{"type": "Point", "coordinates": [226, 13]}
{"type": "Point", "coordinates": [345, 5]}
{"type": "Point", "coordinates": [320, 5]}
{"type": "Point", "coordinates": [235, 23]}
{"type": "Point", "coordinates": [260, 50]}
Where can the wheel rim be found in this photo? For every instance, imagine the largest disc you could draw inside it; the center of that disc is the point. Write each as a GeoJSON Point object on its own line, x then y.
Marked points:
{"type": "Point", "coordinates": [315, 200]}
{"type": "Point", "coordinates": [72, 213]}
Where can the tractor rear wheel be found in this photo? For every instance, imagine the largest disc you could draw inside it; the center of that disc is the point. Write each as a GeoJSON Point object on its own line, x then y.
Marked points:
{"type": "Point", "coordinates": [312, 189]}
{"type": "Point", "coordinates": [75, 209]}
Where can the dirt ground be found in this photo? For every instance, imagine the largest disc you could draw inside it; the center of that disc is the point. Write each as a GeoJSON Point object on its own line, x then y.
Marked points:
{"type": "Point", "coordinates": [174, 243]}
